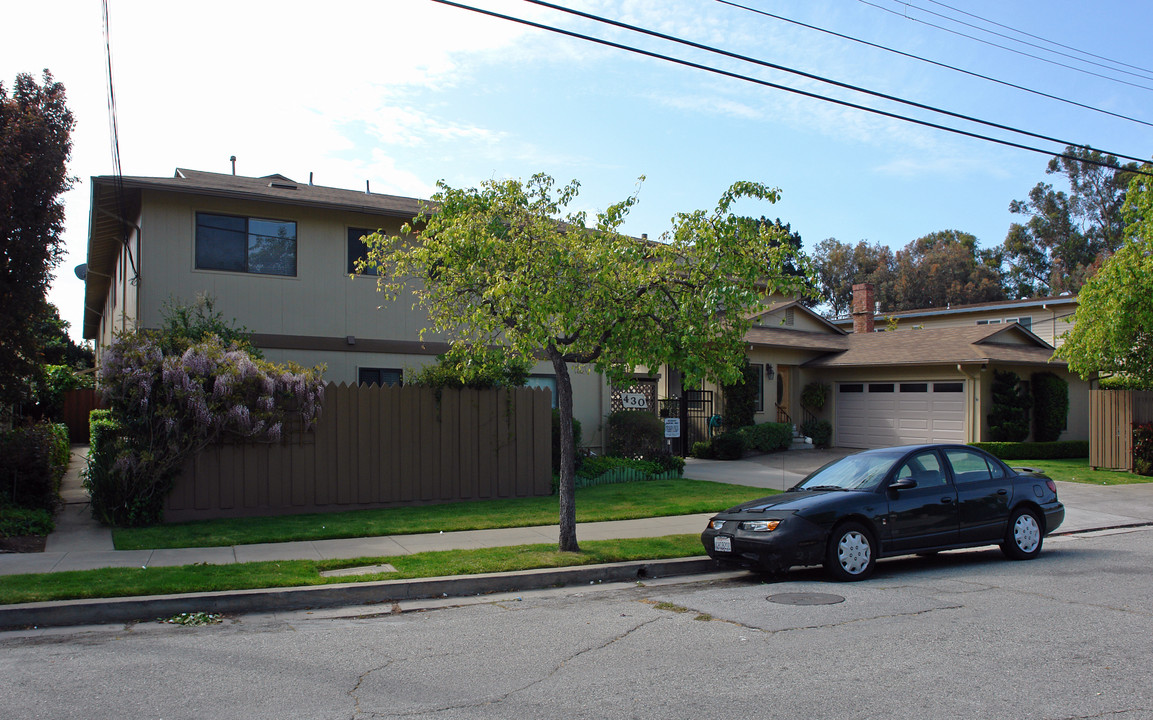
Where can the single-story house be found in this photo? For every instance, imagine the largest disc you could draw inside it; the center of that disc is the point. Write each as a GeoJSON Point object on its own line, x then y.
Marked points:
{"type": "Point", "coordinates": [277, 255]}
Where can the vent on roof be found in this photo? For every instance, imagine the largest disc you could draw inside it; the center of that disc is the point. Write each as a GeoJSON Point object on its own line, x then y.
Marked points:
{"type": "Point", "coordinates": [282, 185]}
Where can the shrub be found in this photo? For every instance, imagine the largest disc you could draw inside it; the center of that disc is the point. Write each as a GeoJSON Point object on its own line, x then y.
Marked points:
{"type": "Point", "coordinates": [1036, 450]}
{"type": "Point", "coordinates": [19, 521]}
{"type": "Point", "coordinates": [1009, 419]}
{"type": "Point", "coordinates": [728, 446]}
{"type": "Point", "coordinates": [173, 405]}
{"type": "Point", "coordinates": [702, 449]}
{"type": "Point", "coordinates": [107, 493]}
{"type": "Point", "coordinates": [821, 432]}
{"type": "Point", "coordinates": [1143, 449]}
{"type": "Point", "coordinates": [576, 441]}
{"type": "Point", "coordinates": [635, 434]}
{"type": "Point", "coordinates": [473, 366]}
{"type": "Point", "coordinates": [741, 398]}
{"type": "Point", "coordinates": [767, 437]}
{"type": "Point", "coordinates": [1050, 406]}
{"type": "Point", "coordinates": [33, 463]}
{"type": "Point", "coordinates": [814, 395]}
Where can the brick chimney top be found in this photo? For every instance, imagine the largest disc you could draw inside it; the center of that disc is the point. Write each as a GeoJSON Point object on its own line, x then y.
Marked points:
{"type": "Point", "coordinates": [863, 308]}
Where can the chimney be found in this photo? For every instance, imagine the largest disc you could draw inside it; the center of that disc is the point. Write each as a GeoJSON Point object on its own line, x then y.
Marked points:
{"type": "Point", "coordinates": [863, 308]}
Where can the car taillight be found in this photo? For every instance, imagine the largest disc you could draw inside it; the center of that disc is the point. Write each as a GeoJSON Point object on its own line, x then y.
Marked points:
{"type": "Point", "coordinates": [1052, 486]}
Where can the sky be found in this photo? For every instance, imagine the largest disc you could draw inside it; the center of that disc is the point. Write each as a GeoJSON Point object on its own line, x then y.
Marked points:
{"type": "Point", "coordinates": [405, 93]}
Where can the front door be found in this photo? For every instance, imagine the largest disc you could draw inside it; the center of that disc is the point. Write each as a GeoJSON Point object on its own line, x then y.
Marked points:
{"type": "Point", "coordinates": [784, 392]}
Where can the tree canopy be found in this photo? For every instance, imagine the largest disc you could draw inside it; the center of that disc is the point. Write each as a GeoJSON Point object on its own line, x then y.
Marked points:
{"type": "Point", "coordinates": [936, 270]}
{"type": "Point", "coordinates": [1066, 235]}
{"type": "Point", "coordinates": [1114, 322]}
{"type": "Point", "coordinates": [509, 264]}
{"type": "Point", "coordinates": [35, 132]}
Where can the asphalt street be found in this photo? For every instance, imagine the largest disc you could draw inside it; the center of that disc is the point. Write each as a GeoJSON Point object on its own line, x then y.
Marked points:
{"type": "Point", "coordinates": [963, 634]}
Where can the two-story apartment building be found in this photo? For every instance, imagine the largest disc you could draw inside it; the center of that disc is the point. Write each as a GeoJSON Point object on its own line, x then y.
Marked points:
{"type": "Point", "coordinates": [276, 256]}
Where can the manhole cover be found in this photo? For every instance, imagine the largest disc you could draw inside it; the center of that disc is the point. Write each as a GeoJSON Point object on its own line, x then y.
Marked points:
{"type": "Point", "coordinates": [805, 599]}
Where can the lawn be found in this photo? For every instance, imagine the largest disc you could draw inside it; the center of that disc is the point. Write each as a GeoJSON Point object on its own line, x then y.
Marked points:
{"type": "Point", "coordinates": [123, 582]}
{"type": "Point", "coordinates": [623, 501]}
{"type": "Point", "coordinates": [1078, 470]}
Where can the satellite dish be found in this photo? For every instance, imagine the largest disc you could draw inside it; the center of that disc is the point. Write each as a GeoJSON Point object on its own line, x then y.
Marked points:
{"type": "Point", "coordinates": [81, 271]}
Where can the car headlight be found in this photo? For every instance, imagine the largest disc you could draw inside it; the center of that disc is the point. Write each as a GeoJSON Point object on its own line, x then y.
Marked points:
{"type": "Point", "coordinates": [715, 524]}
{"type": "Point", "coordinates": [760, 525]}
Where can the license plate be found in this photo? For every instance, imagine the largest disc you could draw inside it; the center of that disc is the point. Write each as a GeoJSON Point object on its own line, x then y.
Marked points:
{"type": "Point", "coordinates": [722, 544]}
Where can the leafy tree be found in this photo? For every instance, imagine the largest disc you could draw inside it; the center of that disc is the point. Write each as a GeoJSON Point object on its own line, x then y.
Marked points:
{"type": "Point", "coordinates": [1114, 321]}
{"type": "Point", "coordinates": [838, 266]}
{"type": "Point", "coordinates": [507, 263]}
{"type": "Point", "coordinates": [1066, 235]}
{"type": "Point", "coordinates": [35, 130]}
{"type": "Point", "coordinates": [1009, 420]}
{"type": "Point", "coordinates": [944, 268]}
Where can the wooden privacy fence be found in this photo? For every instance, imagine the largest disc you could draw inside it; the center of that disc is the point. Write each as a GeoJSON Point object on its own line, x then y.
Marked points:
{"type": "Point", "coordinates": [380, 447]}
{"type": "Point", "coordinates": [1112, 414]}
{"type": "Point", "coordinates": [77, 404]}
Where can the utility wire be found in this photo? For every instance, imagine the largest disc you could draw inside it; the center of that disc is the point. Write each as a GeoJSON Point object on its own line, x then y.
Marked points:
{"type": "Point", "coordinates": [1038, 37]}
{"type": "Point", "coordinates": [1009, 49]}
{"type": "Point", "coordinates": [1023, 42]}
{"type": "Point", "coordinates": [118, 175]}
{"type": "Point", "coordinates": [765, 83]}
{"type": "Point", "coordinates": [934, 62]}
{"type": "Point", "coordinates": [811, 76]}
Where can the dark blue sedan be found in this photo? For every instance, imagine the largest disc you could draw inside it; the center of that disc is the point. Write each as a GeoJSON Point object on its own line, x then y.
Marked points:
{"type": "Point", "coordinates": [887, 502]}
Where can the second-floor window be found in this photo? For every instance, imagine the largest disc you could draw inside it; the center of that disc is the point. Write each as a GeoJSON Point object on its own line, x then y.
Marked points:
{"type": "Point", "coordinates": [244, 244]}
{"type": "Point", "coordinates": [357, 250]}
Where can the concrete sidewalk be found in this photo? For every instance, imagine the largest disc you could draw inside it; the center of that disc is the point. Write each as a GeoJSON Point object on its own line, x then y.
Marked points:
{"type": "Point", "coordinates": [79, 543]}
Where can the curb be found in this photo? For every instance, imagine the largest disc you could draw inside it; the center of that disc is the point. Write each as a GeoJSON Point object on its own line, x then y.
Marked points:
{"type": "Point", "coordinates": [98, 611]}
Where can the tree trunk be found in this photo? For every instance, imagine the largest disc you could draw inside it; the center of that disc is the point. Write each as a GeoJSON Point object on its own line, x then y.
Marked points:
{"type": "Point", "coordinates": [566, 490]}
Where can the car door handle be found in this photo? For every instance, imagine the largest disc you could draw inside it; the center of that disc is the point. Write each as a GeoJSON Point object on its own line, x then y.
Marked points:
{"type": "Point", "coordinates": [1002, 491]}
{"type": "Point", "coordinates": [947, 499]}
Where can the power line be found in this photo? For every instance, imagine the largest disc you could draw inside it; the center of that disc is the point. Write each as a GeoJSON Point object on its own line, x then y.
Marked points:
{"type": "Point", "coordinates": [811, 76]}
{"type": "Point", "coordinates": [776, 86]}
{"type": "Point", "coordinates": [121, 201]}
{"type": "Point", "coordinates": [934, 62]}
{"type": "Point", "coordinates": [1009, 49]}
{"type": "Point", "coordinates": [1038, 37]}
{"type": "Point", "coordinates": [1023, 42]}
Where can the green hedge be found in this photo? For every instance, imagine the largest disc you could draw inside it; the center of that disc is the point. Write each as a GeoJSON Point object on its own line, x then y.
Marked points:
{"type": "Point", "coordinates": [34, 458]}
{"type": "Point", "coordinates": [105, 488]}
{"type": "Point", "coordinates": [767, 437]}
{"type": "Point", "coordinates": [821, 432]}
{"type": "Point", "coordinates": [1036, 450]}
{"type": "Point", "coordinates": [635, 434]}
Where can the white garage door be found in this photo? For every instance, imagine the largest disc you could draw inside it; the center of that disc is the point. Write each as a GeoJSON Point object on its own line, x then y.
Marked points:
{"type": "Point", "coordinates": [881, 414]}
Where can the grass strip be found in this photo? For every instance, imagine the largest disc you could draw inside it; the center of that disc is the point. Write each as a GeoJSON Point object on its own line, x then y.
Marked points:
{"type": "Point", "coordinates": [127, 582]}
{"type": "Point", "coordinates": [623, 501]}
{"type": "Point", "coordinates": [1078, 470]}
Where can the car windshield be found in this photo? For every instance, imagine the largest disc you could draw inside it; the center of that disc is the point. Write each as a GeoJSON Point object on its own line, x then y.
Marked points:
{"type": "Point", "coordinates": [855, 472]}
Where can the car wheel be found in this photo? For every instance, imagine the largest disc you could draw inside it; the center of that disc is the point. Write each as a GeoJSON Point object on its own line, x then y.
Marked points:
{"type": "Point", "coordinates": [1023, 537]}
{"type": "Point", "coordinates": [852, 554]}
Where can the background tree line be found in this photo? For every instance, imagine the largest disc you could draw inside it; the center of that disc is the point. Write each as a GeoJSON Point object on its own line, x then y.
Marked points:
{"type": "Point", "coordinates": [1062, 240]}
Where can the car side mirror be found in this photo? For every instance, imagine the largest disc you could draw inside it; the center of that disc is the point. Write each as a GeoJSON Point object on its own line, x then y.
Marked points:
{"type": "Point", "coordinates": [903, 484]}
